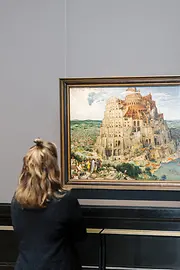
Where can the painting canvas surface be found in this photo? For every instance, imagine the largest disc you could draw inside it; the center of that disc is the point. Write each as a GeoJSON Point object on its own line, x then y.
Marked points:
{"type": "Point", "coordinates": [125, 133]}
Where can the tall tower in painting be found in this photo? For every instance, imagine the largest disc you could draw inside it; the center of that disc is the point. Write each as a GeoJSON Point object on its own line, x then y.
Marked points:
{"type": "Point", "coordinates": [133, 126]}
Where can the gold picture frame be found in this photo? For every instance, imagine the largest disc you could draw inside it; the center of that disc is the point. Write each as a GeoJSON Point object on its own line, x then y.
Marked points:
{"type": "Point", "coordinates": [139, 106]}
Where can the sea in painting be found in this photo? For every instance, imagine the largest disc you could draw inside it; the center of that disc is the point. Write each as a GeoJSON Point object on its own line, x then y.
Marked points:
{"type": "Point", "coordinates": [121, 133]}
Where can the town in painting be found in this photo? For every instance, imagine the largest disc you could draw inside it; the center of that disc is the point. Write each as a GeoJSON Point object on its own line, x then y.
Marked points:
{"type": "Point", "coordinates": [125, 133]}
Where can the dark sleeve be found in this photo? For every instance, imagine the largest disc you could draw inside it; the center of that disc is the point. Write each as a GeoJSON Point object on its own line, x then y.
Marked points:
{"type": "Point", "coordinates": [77, 227]}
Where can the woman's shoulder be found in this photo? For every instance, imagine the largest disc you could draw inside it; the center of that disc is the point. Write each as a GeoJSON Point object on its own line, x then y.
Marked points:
{"type": "Point", "coordinates": [61, 198]}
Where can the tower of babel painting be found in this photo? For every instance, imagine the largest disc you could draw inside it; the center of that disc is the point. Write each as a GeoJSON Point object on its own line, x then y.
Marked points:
{"type": "Point", "coordinates": [133, 128]}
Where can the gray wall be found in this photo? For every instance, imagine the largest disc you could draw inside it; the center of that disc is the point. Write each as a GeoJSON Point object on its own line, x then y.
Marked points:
{"type": "Point", "coordinates": [32, 58]}
{"type": "Point", "coordinates": [123, 37]}
{"type": "Point", "coordinates": [43, 40]}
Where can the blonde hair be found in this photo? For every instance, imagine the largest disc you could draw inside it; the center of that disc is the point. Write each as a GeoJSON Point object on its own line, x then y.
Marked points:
{"type": "Point", "coordinates": [40, 175]}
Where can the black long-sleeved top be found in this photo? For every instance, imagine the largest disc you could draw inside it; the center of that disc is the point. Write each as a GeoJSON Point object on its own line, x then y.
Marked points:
{"type": "Point", "coordinates": [47, 236]}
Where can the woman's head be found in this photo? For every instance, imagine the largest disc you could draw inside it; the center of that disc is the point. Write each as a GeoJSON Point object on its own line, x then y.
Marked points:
{"type": "Point", "coordinates": [40, 175]}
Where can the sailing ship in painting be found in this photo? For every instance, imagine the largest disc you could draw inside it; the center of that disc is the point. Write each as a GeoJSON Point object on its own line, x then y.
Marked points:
{"type": "Point", "coordinates": [122, 135]}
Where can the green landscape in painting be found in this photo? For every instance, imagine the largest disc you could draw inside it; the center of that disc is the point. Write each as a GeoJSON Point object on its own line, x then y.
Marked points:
{"type": "Point", "coordinates": [83, 138]}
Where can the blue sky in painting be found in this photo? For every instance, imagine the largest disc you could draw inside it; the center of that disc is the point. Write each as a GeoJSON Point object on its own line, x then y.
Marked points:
{"type": "Point", "coordinates": [89, 103]}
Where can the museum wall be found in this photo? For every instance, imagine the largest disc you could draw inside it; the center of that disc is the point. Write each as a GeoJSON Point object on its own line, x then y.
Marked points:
{"type": "Point", "coordinates": [43, 40]}
{"type": "Point", "coordinates": [122, 37]}
{"type": "Point", "coordinates": [32, 58]}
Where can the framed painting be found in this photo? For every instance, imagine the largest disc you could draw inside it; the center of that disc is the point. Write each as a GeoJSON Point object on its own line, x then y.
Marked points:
{"type": "Point", "coordinates": [119, 133]}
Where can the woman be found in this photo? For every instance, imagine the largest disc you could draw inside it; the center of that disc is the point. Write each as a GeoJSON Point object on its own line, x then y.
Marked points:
{"type": "Point", "coordinates": [47, 219]}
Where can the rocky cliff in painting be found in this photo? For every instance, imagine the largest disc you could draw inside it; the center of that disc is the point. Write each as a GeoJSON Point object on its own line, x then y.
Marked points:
{"type": "Point", "coordinates": [133, 128]}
